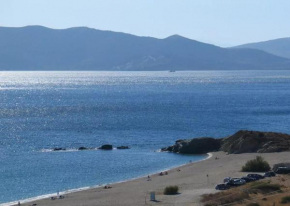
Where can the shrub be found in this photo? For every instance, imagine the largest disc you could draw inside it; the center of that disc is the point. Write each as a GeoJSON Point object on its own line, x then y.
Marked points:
{"type": "Point", "coordinates": [256, 165]}
{"type": "Point", "coordinates": [171, 190]}
{"type": "Point", "coordinates": [285, 200]}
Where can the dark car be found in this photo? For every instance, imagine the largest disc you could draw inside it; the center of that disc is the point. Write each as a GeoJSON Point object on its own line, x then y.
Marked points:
{"type": "Point", "coordinates": [282, 170]}
{"type": "Point", "coordinates": [269, 174]}
{"type": "Point", "coordinates": [255, 176]}
{"type": "Point", "coordinates": [248, 179]}
{"type": "Point", "coordinates": [222, 187]}
{"type": "Point", "coordinates": [227, 179]}
{"type": "Point", "coordinates": [236, 182]}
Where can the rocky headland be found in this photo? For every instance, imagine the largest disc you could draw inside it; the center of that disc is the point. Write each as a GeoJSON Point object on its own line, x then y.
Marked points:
{"type": "Point", "coordinates": [243, 141]}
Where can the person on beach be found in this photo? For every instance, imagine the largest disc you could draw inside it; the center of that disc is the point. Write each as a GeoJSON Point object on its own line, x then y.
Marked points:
{"type": "Point", "coordinates": [148, 178]}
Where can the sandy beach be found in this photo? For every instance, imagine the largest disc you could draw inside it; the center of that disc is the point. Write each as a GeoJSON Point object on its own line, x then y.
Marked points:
{"type": "Point", "coordinates": [191, 178]}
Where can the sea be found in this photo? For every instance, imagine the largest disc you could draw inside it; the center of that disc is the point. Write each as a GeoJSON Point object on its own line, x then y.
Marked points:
{"type": "Point", "coordinates": [40, 111]}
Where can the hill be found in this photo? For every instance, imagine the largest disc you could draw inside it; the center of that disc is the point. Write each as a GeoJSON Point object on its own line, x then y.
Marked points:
{"type": "Point", "coordinates": [278, 47]}
{"type": "Point", "coordinates": [241, 142]}
{"type": "Point", "coordinates": [81, 48]}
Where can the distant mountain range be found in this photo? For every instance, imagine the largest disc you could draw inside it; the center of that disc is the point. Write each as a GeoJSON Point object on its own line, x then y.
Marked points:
{"type": "Point", "coordinates": [81, 48]}
{"type": "Point", "coordinates": [279, 47]}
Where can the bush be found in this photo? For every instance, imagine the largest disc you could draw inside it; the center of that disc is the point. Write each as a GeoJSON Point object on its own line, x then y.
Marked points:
{"type": "Point", "coordinates": [285, 200]}
{"type": "Point", "coordinates": [256, 165]}
{"type": "Point", "coordinates": [171, 190]}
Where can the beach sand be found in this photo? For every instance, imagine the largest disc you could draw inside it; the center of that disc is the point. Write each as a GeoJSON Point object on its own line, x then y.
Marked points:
{"type": "Point", "coordinates": [192, 180]}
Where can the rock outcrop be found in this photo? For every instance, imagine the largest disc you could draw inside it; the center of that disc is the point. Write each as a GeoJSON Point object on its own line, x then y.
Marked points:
{"type": "Point", "coordinates": [241, 142]}
{"type": "Point", "coordinates": [123, 147]}
{"type": "Point", "coordinates": [82, 148]}
{"type": "Point", "coordinates": [59, 149]}
{"type": "Point", "coordinates": [253, 141]}
{"type": "Point", "coordinates": [106, 147]}
{"type": "Point", "coordinates": [195, 146]}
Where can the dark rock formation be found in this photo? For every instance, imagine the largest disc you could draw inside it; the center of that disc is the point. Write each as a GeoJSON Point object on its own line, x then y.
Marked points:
{"type": "Point", "coordinates": [195, 146]}
{"type": "Point", "coordinates": [106, 147]}
{"type": "Point", "coordinates": [83, 148]}
{"type": "Point", "coordinates": [253, 141]}
{"type": "Point", "coordinates": [58, 149]}
{"type": "Point", "coordinates": [241, 142]}
{"type": "Point", "coordinates": [123, 147]}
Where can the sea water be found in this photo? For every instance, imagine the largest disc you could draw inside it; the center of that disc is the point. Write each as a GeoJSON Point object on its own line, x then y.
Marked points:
{"type": "Point", "coordinates": [146, 111]}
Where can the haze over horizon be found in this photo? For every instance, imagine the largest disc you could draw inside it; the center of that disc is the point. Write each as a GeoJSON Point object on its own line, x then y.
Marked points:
{"type": "Point", "coordinates": [223, 23]}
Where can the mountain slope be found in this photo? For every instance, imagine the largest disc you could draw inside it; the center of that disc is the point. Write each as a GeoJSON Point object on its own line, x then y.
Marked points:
{"type": "Point", "coordinates": [40, 48]}
{"type": "Point", "coordinates": [279, 47]}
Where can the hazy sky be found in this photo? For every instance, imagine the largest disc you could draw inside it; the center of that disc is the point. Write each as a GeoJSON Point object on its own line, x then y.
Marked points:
{"type": "Point", "coordinates": [221, 22]}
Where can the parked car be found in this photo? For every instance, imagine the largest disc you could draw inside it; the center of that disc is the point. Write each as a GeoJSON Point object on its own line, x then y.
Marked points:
{"type": "Point", "coordinates": [236, 182]}
{"type": "Point", "coordinates": [227, 179]}
{"type": "Point", "coordinates": [269, 174]}
{"type": "Point", "coordinates": [248, 179]}
{"type": "Point", "coordinates": [282, 170]}
{"type": "Point", "coordinates": [256, 176]}
{"type": "Point", "coordinates": [222, 187]}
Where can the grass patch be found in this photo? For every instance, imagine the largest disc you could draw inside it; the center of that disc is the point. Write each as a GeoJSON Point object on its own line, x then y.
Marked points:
{"type": "Point", "coordinates": [223, 198]}
{"type": "Point", "coordinates": [171, 190]}
{"type": "Point", "coordinates": [256, 165]}
{"type": "Point", "coordinates": [285, 200]}
{"type": "Point", "coordinates": [264, 187]}
{"type": "Point", "coordinates": [253, 204]}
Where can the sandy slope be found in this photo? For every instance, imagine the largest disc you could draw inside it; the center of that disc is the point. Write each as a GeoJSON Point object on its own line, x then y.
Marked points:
{"type": "Point", "coordinates": [192, 180]}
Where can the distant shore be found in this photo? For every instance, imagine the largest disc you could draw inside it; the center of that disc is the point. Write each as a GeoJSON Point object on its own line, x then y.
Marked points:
{"type": "Point", "coordinates": [194, 179]}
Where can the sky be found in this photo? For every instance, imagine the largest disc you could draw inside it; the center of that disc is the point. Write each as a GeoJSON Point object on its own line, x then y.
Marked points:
{"type": "Point", "coordinates": [220, 22]}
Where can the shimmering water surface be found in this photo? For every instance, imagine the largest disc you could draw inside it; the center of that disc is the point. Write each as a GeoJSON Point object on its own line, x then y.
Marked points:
{"type": "Point", "coordinates": [144, 110]}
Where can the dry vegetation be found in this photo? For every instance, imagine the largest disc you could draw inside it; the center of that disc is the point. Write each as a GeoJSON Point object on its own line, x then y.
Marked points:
{"type": "Point", "coordinates": [256, 165]}
{"type": "Point", "coordinates": [221, 198]}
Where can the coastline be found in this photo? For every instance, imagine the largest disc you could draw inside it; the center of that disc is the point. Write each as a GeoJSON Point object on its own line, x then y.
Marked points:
{"type": "Point", "coordinates": [193, 179]}
{"type": "Point", "coordinates": [70, 191]}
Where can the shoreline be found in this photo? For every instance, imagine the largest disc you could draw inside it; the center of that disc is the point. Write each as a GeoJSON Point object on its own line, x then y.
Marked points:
{"type": "Point", "coordinates": [193, 179]}
{"type": "Point", "coordinates": [82, 189]}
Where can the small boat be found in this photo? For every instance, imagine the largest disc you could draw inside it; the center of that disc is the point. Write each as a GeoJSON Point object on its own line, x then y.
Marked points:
{"type": "Point", "coordinates": [171, 70]}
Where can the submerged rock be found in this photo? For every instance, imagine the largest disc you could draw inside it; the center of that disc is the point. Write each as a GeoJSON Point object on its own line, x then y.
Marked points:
{"type": "Point", "coordinates": [106, 147]}
{"type": "Point", "coordinates": [123, 147]}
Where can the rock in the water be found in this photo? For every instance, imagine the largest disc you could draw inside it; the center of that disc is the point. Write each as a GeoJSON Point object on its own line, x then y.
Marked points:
{"type": "Point", "coordinates": [123, 147]}
{"type": "Point", "coordinates": [106, 147]}
{"type": "Point", "coordinates": [253, 141]}
{"type": "Point", "coordinates": [58, 149]}
{"type": "Point", "coordinates": [83, 148]}
{"type": "Point", "coordinates": [195, 146]}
